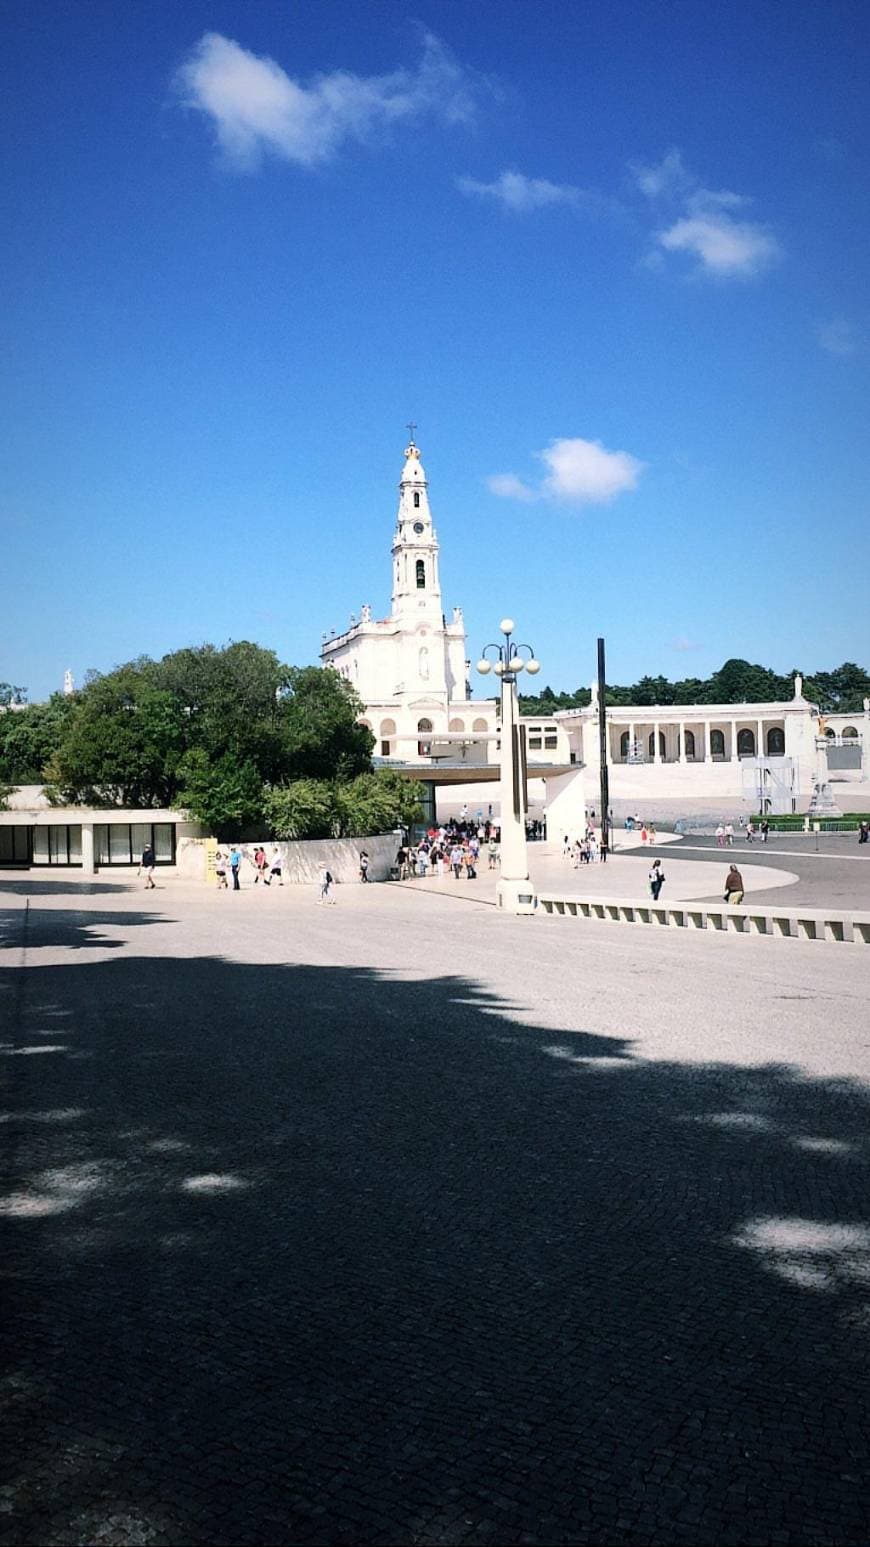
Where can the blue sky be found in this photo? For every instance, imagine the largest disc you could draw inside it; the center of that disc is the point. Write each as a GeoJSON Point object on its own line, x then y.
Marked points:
{"type": "Point", "coordinates": [611, 259]}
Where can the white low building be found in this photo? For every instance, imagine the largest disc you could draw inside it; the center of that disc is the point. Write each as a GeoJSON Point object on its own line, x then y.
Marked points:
{"type": "Point", "coordinates": [737, 759]}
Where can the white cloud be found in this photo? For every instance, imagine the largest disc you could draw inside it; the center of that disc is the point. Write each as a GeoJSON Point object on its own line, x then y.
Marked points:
{"type": "Point", "coordinates": [517, 192]}
{"type": "Point", "coordinates": [838, 337]}
{"type": "Point", "coordinates": [706, 224]}
{"type": "Point", "coordinates": [509, 487]}
{"type": "Point", "coordinates": [669, 177]}
{"type": "Point", "coordinates": [580, 472]}
{"type": "Point", "coordinates": [256, 107]}
{"type": "Point", "coordinates": [735, 249]}
{"type": "Point", "coordinates": [683, 643]}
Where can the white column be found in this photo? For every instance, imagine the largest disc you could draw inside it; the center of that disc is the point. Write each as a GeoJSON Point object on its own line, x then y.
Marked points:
{"type": "Point", "coordinates": [759, 739]}
{"type": "Point", "coordinates": [631, 738]}
{"type": "Point", "coordinates": [681, 735]}
{"type": "Point", "coordinates": [657, 751]}
{"type": "Point", "coordinates": [733, 741]}
{"type": "Point", "coordinates": [705, 746]}
{"type": "Point", "coordinates": [514, 889]}
{"type": "Point", "coordinates": [87, 848]}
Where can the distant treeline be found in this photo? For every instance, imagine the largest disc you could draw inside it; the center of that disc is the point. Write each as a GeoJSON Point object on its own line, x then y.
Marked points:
{"type": "Point", "coordinates": [842, 690]}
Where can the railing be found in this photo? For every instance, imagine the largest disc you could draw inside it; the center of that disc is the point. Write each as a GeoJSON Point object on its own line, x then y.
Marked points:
{"type": "Point", "coordinates": [829, 924]}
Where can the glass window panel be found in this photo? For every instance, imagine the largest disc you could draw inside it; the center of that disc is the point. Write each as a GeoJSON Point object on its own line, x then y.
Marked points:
{"type": "Point", "coordinates": [7, 844]}
{"type": "Point", "coordinates": [75, 844]}
{"type": "Point", "coordinates": [40, 845]}
{"type": "Point", "coordinates": [119, 843]}
{"type": "Point", "coordinates": [101, 843]}
{"type": "Point", "coordinates": [141, 832]}
{"type": "Point", "coordinates": [57, 849]}
{"type": "Point", "coordinates": [163, 842]}
{"type": "Point", "coordinates": [22, 844]}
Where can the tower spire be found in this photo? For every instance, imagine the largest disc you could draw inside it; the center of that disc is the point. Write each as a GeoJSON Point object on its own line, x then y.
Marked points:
{"type": "Point", "coordinates": [416, 585]}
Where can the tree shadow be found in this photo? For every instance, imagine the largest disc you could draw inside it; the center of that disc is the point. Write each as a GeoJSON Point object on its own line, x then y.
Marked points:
{"type": "Point", "coordinates": [302, 1254]}
{"type": "Point", "coordinates": [72, 888]}
{"type": "Point", "coordinates": [66, 929]}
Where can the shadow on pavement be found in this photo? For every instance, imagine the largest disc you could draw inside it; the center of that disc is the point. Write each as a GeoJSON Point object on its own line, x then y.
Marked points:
{"type": "Point", "coordinates": [311, 1255]}
{"type": "Point", "coordinates": [71, 929]}
{"type": "Point", "coordinates": [75, 888]}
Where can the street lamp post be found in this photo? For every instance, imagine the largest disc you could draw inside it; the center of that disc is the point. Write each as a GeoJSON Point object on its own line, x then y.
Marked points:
{"type": "Point", "coordinates": [514, 889]}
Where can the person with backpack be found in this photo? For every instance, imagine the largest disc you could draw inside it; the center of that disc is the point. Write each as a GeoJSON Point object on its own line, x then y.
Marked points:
{"type": "Point", "coordinates": [656, 879]}
{"type": "Point", "coordinates": [325, 879]}
{"type": "Point", "coordinates": [261, 865]}
{"type": "Point", "coordinates": [147, 864]}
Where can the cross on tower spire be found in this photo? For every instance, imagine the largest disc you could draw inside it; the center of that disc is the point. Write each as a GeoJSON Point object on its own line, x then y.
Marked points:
{"type": "Point", "coordinates": [411, 428]}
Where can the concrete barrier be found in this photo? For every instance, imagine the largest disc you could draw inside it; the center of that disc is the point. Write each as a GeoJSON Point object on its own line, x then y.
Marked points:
{"type": "Point", "coordinates": [822, 924]}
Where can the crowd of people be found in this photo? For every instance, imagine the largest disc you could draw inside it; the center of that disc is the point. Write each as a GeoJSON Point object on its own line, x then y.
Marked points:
{"type": "Point", "coordinates": [455, 849]}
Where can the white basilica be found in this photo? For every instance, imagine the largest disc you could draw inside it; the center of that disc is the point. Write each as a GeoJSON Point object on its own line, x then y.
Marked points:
{"type": "Point", "coordinates": [410, 669]}
{"type": "Point", "coordinates": [412, 674]}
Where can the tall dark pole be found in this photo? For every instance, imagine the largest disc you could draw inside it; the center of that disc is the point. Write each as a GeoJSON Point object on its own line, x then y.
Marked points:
{"type": "Point", "coordinates": [602, 750]}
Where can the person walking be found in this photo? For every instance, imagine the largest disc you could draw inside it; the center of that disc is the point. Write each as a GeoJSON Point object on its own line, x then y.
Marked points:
{"type": "Point", "coordinates": [364, 867]}
{"type": "Point", "coordinates": [750, 832]}
{"type": "Point", "coordinates": [147, 864]}
{"type": "Point", "coordinates": [765, 829]}
{"type": "Point", "coordinates": [277, 864]}
{"type": "Point", "coordinates": [261, 865]}
{"type": "Point", "coordinates": [456, 861]}
{"type": "Point", "coordinates": [863, 832]}
{"type": "Point", "coordinates": [720, 837]}
{"type": "Point", "coordinates": [220, 870]}
{"type": "Point", "coordinates": [729, 834]}
{"type": "Point", "coordinates": [656, 879]}
{"type": "Point", "coordinates": [734, 887]}
{"type": "Point", "coordinates": [235, 866]}
{"type": "Point", "coordinates": [325, 878]}
{"type": "Point", "coordinates": [492, 851]}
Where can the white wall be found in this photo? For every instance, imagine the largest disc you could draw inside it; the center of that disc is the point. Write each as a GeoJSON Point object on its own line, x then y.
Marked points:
{"type": "Point", "coordinates": [302, 858]}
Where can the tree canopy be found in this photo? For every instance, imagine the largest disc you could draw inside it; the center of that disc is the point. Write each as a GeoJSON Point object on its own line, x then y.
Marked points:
{"type": "Point", "coordinates": [206, 729]}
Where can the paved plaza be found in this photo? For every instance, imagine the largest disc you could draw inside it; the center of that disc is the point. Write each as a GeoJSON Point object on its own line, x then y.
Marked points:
{"type": "Point", "coordinates": [401, 1221]}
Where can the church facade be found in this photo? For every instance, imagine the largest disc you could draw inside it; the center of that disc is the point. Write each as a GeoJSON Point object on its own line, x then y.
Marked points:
{"type": "Point", "coordinates": [412, 672]}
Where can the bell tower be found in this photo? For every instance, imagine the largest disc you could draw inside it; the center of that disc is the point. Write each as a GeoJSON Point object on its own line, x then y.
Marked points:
{"type": "Point", "coordinates": [416, 582]}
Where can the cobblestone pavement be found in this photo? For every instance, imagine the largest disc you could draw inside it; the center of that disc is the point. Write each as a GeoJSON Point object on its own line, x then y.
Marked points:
{"type": "Point", "coordinates": [401, 1222]}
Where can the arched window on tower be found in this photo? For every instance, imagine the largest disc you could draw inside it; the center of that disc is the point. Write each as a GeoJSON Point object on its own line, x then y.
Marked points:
{"type": "Point", "coordinates": [421, 575]}
{"type": "Point", "coordinates": [745, 743]}
{"type": "Point", "coordinates": [416, 499]}
{"type": "Point", "coordinates": [717, 745]}
{"type": "Point", "coordinates": [424, 728]}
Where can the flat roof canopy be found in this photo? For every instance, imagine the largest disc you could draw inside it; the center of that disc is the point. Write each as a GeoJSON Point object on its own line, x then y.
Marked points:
{"type": "Point", "coordinates": [475, 773]}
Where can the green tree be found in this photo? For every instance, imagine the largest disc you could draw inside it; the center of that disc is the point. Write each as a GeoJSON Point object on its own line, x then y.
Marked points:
{"type": "Point", "coordinates": [322, 739]}
{"type": "Point", "coordinates": [321, 808]}
{"type": "Point", "coordinates": [29, 736]}
{"type": "Point", "coordinates": [122, 743]}
{"type": "Point", "coordinates": [224, 795]}
{"type": "Point", "coordinates": [304, 808]}
{"type": "Point", "coordinates": [10, 694]}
